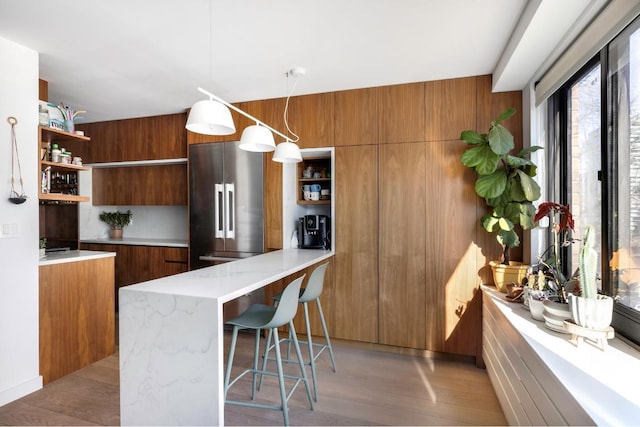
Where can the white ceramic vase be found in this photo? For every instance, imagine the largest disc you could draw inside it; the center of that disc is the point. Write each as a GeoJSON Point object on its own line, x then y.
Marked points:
{"type": "Point", "coordinates": [591, 313]}
{"type": "Point", "coordinates": [536, 307]}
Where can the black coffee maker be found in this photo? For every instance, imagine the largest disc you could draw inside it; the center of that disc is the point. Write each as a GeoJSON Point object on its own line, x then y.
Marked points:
{"type": "Point", "coordinates": [314, 232]}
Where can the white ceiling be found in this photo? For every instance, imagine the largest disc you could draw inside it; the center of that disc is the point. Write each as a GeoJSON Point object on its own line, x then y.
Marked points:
{"type": "Point", "coordinates": [135, 58]}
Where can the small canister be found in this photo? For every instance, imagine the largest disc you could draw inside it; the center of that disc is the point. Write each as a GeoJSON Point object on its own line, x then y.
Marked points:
{"type": "Point", "coordinates": [77, 161]}
{"type": "Point", "coordinates": [65, 158]}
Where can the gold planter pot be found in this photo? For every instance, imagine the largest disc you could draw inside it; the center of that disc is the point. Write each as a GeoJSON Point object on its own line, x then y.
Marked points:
{"type": "Point", "coordinates": [515, 272]}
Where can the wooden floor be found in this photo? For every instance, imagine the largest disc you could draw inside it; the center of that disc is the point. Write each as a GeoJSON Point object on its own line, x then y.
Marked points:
{"type": "Point", "coordinates": [370, 388]}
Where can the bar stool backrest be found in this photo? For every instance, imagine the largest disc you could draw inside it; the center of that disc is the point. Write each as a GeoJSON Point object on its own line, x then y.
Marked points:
{"type": "Point", "coordinates": [315, 284]}
{"type": "Point", "coordinates": [287, 306]}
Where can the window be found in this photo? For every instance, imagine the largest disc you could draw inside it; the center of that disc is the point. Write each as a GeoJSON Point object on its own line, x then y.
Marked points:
{"type": "Point", "coordinates": [594, 158]}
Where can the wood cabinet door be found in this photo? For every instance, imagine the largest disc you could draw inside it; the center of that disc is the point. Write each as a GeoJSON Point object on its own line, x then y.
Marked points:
{"type": "Point", "coordinates": [402, 319]}
{"type": "Point", "coordinates": [356, 227]}
{"type": "Point", "coordinates": [450, 108]}
{"type": "Point", "coordinates": [401, 113]}
{"type": "Point", "coordinates": [145, 138]}
{"type": "Point", "coordinates": [311, 117]}
{"type": "Point", "coordinates": [356, 117]}
{"type": "Point", "coordinates": [158, 185]}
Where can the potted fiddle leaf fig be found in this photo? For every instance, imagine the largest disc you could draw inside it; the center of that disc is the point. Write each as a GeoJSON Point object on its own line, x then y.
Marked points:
{"type": "Point", "coordinates": [116, 221]}
{"type": "Point", "coordinates": [505, 181]}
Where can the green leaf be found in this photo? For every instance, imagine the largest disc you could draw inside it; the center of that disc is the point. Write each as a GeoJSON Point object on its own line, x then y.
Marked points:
{"type": "Point", "coordinates": [489, 223]}
{"type": "Point", "coordinates": [508, 238]}
{"type": "Point", "coordinates": [492, 185]}
{"type": "Point", "coordinates": [481, 158]}
{"type": "Point", "coordinates": [517, 162]}
{"type": "Point", "coordinates": [526, 151]}
{"type": "Point", "coordinates": [509, 112]}
{"type": "Point", "coordinates": [505, 224]}
{"type": "Point", "coordinates": [473, 137]}
{"type": "Point", "coordinates": [530, 188]}
{"type": "Point", "coordinates": [500, 139]}
{"type": "Point", "coordinates": [528, 211]}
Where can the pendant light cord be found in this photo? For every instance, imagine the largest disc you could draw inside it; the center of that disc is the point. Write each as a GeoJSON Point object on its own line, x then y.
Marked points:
{"type": "Point", "coordinates": [14, 149]}
{"type": "Point", "coordinates": [286, 108]}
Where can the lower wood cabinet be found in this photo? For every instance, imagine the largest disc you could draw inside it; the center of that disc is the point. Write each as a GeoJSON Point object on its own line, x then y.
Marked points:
{"type": "Point", "coordinates": [77, 316]}
{"type": "Point", "coordinates": [135, 264]}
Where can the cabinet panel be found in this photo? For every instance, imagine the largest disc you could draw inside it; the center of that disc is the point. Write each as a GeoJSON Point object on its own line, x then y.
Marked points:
{"type": "Point", "coordinates": [356, 259]}
{"type": "Point", "coordinates": [135, 264]}
{"type": "Point", "coordinates": [145, 138]}
{"type": "Point", "coordinates": [140, 185]}
{"type": "Point", "coordinates": [311, 117]}
{"type": "Point", "coordinates": [452, 294]}
{"type": "Point", "coordinates": [77, 324]}
{"type": "Point", "coordinates": [401, 113]}
{"type": "Point", "coordinates": [450, 108]}
{"type": "Point", "coordinates": [356, 117]}
{"type": "Point", "coordinates": [402, 245]}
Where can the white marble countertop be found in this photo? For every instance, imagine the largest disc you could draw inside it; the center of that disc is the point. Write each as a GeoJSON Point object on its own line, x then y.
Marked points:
{"type": "Point", "coordinates": [231, 280]}
{"type": "Point", "coordinates": [605, 383]}
{"type": "Point", "coordinates": [136, 241]}
{"type": "Point", "coordinates": [73, 256]}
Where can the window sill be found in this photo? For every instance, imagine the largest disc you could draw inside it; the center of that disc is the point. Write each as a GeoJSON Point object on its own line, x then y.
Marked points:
{"type": "Point", "coordinates": [604, 383]}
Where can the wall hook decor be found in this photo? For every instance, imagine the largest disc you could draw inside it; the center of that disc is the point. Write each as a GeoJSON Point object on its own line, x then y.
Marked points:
{"type": "Point", "coordinates": [14, 197]}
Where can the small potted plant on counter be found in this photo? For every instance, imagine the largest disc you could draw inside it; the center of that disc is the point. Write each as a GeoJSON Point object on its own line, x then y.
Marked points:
{"type": "Point", "coordinates": [43, 247]}
{"type": "Point", "coordinates": [116, 221]}
{"type": "Point", "coordinates": [505, 181]}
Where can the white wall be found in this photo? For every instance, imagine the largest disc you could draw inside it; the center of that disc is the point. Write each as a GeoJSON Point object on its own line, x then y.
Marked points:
{"type": "Point", "coordinates": [19, 368]}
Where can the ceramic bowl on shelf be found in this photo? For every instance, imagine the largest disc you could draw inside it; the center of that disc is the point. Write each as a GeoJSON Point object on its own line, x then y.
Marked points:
{"type": "Point", "coordinates": [557, 309]}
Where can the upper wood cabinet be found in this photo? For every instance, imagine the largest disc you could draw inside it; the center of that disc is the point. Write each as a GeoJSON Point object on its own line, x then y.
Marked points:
{"type": "Point", "coordinates": [356, 117]}
{"type": "Point", "coordinates": [159, 185]}
{"type": "Point", "coordinates": [146, 138]}
{"type": "Point", "coordinates": [401, 113]}
{"type": "Point", "coordinates": [311, 118]}
{"type": "Point", "coordinates": [450, 108]}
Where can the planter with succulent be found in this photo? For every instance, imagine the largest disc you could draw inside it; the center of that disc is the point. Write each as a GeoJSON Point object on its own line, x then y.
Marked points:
{"type": "Point", "coordinates": [505, 181]}
{"type": "Point", "coordinates": [590, 310]}
{"type": "Point", "coordinates": [547, 284]}
{"type": "Point", "coordinates": [116, 221]}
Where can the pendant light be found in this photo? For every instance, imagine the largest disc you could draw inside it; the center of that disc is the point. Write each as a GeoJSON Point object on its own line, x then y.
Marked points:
{"type": "Point", "coordinates": [257, 138]}
{"type": "Point", "coordinates": [288, 151]}
{"type": "Point", "coordinates": [210, 117]}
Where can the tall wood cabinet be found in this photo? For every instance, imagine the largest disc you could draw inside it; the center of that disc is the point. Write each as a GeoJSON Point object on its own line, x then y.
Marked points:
{"type": "Point", "coordinates": [356, 258]}
{"type": "Point", "coordinates": [403, 209]}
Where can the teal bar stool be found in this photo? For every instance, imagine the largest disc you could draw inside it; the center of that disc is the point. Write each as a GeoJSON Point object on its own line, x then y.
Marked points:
{"type": "Point", "coordinates": [309, 294]}
{"type": "Point", "coordinates": [258, 317]}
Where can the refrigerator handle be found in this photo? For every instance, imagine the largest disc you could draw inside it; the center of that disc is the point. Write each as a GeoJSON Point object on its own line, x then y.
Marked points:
{"type": "Point", "coordinates": [230, 215]}
{"type": "Point", "coordinates": [218, 217]}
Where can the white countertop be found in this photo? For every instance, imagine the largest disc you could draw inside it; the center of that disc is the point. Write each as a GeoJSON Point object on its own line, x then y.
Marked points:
{"type": "Point", "coordinates": [73, 256]}
{"type": "Point", "coordinates": [605, 383]}
{"type": "Point", "coordinates": [234, 279]}
{"type": "Point", "coordinates": [136, 241]}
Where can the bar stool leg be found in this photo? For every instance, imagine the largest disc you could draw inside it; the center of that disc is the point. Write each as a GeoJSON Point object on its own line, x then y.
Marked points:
{"type": "Point", "coordinates": [326, 334]}
{"type": "Point", "coordinates": [312, 360]}
{"type": "Point", "coordinates": [283, 394]}
{"type": "Point", "coordinates": [265, 357]}
{"type": "Point", "coordinates": [232, 349]}
{"type": "Point", "coordinates": [256, 352]}
{"type": "Point", "coordinates": [303, 371]}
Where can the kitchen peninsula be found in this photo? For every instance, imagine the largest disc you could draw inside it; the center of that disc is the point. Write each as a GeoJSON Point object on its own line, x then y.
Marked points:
{"type": "Point", "coordinates": [76, 308]}
{"type": "Point", "coordinates": [171, 337]}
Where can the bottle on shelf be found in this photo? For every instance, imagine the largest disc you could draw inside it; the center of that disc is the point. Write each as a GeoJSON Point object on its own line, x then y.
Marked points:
{"type": "Point", "coordinates": [55, 153]}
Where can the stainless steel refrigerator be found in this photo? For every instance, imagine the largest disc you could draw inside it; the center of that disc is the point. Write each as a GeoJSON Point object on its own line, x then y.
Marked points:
{"type": "Point", "coordinates": [226, 218]}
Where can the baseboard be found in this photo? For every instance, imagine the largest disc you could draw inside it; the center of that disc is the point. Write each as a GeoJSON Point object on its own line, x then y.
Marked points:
{"type": "Point", "coordinates": [20, 390]}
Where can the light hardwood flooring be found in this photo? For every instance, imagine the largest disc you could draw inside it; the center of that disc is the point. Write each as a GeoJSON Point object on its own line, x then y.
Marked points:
{"type": "Point", "coordinates": [370, 388]}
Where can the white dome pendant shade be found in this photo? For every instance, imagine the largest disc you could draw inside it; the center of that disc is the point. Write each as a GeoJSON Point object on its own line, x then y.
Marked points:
{"type": "Point", "coordinates": [257, 138]}
{"type": "Point", "coordinates": [287, 152]}
{"type": "Point", "coordinates": [210, 117]}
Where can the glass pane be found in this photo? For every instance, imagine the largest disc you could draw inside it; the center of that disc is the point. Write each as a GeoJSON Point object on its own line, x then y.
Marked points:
{"type": "Point", "coordinates": [585, 193]}
{"type": "Point", "coordinates": [625, 93]}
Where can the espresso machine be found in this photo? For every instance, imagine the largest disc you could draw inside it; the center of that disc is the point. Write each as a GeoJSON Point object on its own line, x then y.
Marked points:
{"type": "Point", "coordinates": [314, 232]}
